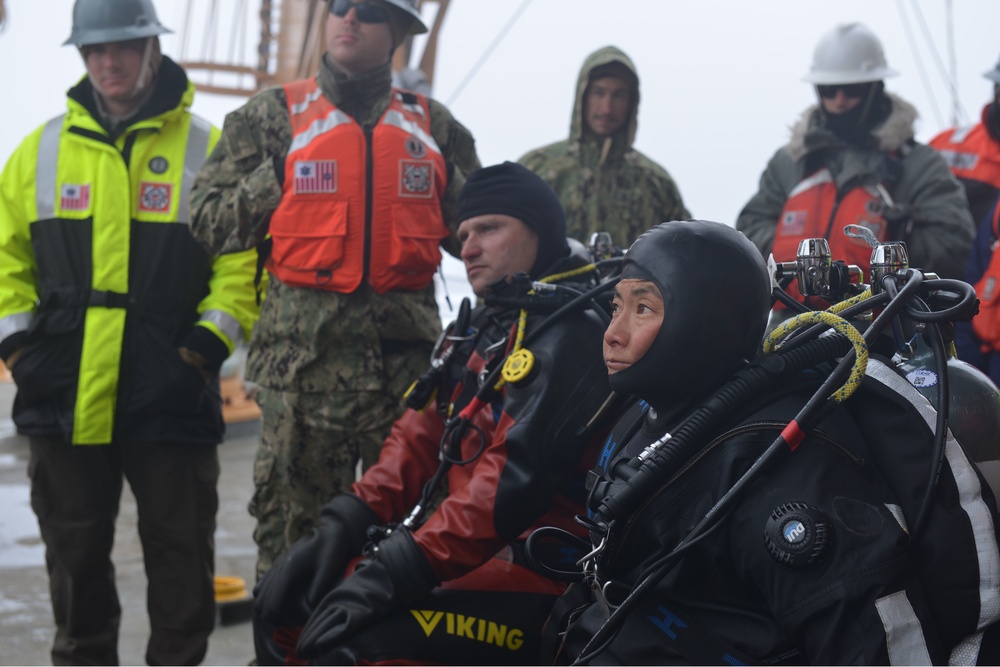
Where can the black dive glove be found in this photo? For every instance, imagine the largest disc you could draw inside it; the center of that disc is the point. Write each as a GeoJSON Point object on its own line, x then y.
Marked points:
{"type": "Point", "coordinates": [288, 592]}
{"type": "Point", "coordinates": [396, 575]}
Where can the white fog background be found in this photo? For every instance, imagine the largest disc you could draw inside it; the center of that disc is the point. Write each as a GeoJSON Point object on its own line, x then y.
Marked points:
{"type": "Point", "coordinates": [720, 79]}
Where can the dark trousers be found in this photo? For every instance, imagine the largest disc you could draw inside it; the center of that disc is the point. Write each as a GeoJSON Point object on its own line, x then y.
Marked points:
{"type": "Point", "coordinates": [75, 493]}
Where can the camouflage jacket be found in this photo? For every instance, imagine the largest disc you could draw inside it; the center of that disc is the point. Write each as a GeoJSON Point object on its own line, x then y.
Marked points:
{"type": "Point", "coordinates": [606, 184]}
{"type": "Point", "coordinates": [314, 340]}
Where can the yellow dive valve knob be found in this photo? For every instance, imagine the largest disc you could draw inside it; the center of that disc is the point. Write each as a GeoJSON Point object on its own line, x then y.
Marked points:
{"type": "Point", "coordinates": [518, 366]}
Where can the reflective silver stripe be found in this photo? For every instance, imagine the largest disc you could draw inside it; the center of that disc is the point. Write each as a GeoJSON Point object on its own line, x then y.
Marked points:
{"type": "Point", "coordinates": [967, 651]}
{"type": "Point", "coordinates": [820, 177]}
{"type": "Point", "coordinates": [971, 501]}
{"type": "Point", "coordinates": [194, 157]}
{"type": "Point", "coordinates": [397, 119]}
{"type": "Point", "coordinates": [13, 323]}
{"type": "Point", "coordinates": [45, 169]}
{"type": "Point", "coordinates": [303, 105]}
{"type": "Point", "coordinates": [415, 108]}
{"type": "Point", "coordinates": [318, 127]}
{"type": "Point", "coordinates": [228, 324]}
{"type": "Point", "coordinates": [897, 514]}
{"type": "Point", "coordinates": [904, 638]}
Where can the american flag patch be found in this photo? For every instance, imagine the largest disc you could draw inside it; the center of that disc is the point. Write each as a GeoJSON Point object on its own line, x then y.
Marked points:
{"type": "Point", "coordinates": [154, 197]}
{"type": "Point", "coordinates": [315, 176]}
{"type": "Point", "coordinates": [74, 197]}
{"type": "Point", "coordinates": [793, 223]}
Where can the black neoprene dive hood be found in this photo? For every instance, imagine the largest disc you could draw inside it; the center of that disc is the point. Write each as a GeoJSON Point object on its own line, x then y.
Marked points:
{"type": "Point", "coordinates": [716, 298]}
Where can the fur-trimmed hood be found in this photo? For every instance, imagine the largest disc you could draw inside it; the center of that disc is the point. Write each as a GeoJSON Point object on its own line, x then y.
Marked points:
{"type": "Point", "coordinates": [896, 131]}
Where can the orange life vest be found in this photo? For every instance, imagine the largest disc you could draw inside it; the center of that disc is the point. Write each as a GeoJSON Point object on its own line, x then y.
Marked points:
{"type": "Point", "coordinates": [986, 324]}
{"type": "Point", "coordinates": [971, 153]}
{"type": "Point", "coordinates": [357, 207]}
{"type": "Point", "coordinates": [815, 209]}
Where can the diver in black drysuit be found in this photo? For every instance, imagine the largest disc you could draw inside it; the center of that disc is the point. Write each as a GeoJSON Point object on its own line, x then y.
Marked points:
{"type": "Point", "coordinates": [813, 562]}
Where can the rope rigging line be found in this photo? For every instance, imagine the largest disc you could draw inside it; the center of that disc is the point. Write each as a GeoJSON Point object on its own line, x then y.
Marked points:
{"type": "Point", "coordinates": [489, 51]}
{"type": "Point", "coordinates": [920, 63]}
{"type": "Point", "coordinates": [957, 111]}
{"type": "Point", "coordinates": [237, 42]}
{"type": "Point", "coordinates": [949, 80]}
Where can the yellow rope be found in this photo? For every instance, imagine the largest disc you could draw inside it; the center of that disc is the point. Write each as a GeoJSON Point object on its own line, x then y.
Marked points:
{"type": "Point", "coordinates": [838, 324]}
{"type": "Point", "coordinates": [837, 307]}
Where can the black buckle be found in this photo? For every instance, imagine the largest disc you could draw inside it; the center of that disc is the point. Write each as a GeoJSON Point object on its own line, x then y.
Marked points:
{"type": "Point", "coordinates": [104, 299]}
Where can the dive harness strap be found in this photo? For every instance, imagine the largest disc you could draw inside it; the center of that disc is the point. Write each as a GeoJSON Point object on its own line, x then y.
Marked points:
{"type": "Point", "coordinates": [565, 610]}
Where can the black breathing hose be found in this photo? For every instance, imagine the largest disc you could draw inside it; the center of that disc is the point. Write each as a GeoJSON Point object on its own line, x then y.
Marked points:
{"type": "Point", "coordinates": [641, 479]}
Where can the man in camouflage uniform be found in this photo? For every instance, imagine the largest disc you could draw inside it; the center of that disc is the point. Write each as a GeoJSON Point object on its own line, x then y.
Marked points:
{"type": "Point", "coordinates": [602, 181]}
{"type": "Point", "coordinates": [346, 186]}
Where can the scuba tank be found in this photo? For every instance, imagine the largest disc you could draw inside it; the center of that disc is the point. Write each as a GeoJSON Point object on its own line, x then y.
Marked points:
{"type": "Point", "coordinates": [973, 406]}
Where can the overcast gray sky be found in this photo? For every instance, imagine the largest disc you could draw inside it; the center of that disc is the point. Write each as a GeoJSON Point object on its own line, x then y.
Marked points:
{"type": "Point", "coordinates": [720, 79]}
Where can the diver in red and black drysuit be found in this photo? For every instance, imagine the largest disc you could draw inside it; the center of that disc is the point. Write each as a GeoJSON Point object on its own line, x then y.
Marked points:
{"type": "Point", "coordinates": [457, 584]}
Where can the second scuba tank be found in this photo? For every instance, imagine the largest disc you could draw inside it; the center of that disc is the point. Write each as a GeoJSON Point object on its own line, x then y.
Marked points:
{"type": "Point", "coordinates": [973, 411]}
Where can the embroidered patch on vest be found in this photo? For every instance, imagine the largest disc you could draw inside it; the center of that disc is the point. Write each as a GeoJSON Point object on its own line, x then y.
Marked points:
{"type": "Point", "coordinates": [416, 178]}
{"type": "Point", "coordinates": [415, 148]}
{"type": "Point", "coordinates": [155, 197]}
{"type": "Point", "coordinates": [159, 165]}
{"type": "Point", "coordinates": [74, 197]}
{"type": "Point", "coordinates": [793, 223]}
{"type": "Point", "coordinates": [961, 161]}
{"type": "Point", "coordinates": [315, 176]}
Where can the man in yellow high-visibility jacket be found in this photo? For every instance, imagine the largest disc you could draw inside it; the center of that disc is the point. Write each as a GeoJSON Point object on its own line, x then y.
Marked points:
{"type": "Point", "coordinates": [114, 324]}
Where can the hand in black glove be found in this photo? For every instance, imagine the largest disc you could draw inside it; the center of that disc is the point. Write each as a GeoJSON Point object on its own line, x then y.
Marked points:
{"type": "Point", "coordinates": [397, 575]}
{"type": "Point", "coordinates": [287, 593]}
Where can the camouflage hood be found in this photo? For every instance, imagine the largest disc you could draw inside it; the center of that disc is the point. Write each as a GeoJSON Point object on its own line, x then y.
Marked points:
{"type": "Point", "coordinates": [624, 138]}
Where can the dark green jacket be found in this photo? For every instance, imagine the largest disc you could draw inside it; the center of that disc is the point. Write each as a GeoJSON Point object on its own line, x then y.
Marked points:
{"type": "Point", "coordinates": [604, 183]}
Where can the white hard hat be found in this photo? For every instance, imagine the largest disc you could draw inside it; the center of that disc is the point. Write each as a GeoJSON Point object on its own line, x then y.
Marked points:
{"type": "Point", "coordinates": [850, 53]}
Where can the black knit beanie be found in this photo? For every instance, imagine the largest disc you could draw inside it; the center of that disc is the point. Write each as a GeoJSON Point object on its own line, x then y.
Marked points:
{"type": "Point", "coordinates": [514, 190]}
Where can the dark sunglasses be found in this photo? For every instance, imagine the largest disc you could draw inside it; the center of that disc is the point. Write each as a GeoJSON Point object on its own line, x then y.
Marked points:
{"type": "Point", "coordinates": [366, 12]}
{"type": "Point", "coordinates": [852, 90]}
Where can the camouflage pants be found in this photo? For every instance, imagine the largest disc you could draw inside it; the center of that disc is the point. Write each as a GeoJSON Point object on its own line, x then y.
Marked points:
{"type": "Point", "coordinates": [310, 448]}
